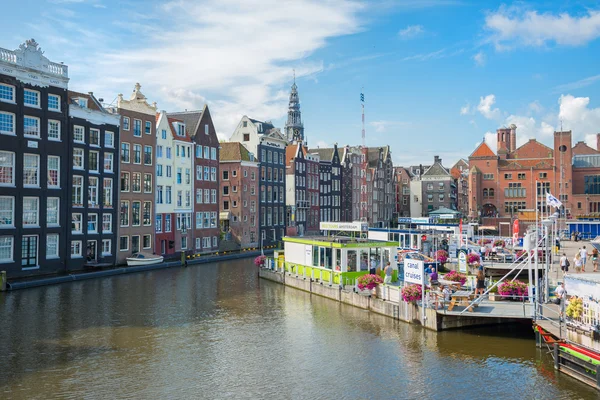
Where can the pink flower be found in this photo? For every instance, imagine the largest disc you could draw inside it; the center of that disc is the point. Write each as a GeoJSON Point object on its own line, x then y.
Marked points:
{"type": "Point", "coordinates": [369, 281]}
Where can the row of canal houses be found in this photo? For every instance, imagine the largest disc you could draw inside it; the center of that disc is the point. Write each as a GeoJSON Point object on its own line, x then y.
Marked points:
{"type": "Point", "coordinates": [86, 185]}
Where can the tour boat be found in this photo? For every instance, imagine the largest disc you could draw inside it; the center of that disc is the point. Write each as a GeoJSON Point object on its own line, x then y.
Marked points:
{"type": "Point", "coordinates": [596, 243]}
{"type": "Point", "coordinates": [144, 259]}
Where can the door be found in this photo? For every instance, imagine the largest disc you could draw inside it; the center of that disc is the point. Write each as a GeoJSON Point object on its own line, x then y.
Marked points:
{"type": "Point", "coordinates": [135, 244]}
{"type": "Point", "coordinates": [91, 251]}
{"type": "Point", "coordinates": [29, 249]}
{"type": "Point", "coordinates": [163, 247]}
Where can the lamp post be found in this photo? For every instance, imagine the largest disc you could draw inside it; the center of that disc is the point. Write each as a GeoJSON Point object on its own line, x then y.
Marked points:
{"type": "Point", "coordinates": [183, 232]}
{"type": "Point", "coordinates": [548, 222]}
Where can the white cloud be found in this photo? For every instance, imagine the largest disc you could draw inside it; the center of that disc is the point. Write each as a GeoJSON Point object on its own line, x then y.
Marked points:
{"type": "Point", "coordinates": [466, 109]}
{"type": "Point", "coordinates": [323, 144]}
{"type": "Point", "coordinates": [411, 31]}
{"type": "Point", "coordinates": [479, 59]}
{"type": "Point", "coordinates": [383, 126]}
{"type": "Point", "coordinates": [221, 52]}
{"type": "Point", "coordinates": [485, 107]}
{"type": "Point", "coordinates": [491, 140]}
{"type": "Point", "coordinates": [515, 26]}
{"type": "Point", "coordinates": [577, 116]}
{"type": "Point", "coordinates": [536, 107]}
{"type": "Point", "coordinates": [577, 84]}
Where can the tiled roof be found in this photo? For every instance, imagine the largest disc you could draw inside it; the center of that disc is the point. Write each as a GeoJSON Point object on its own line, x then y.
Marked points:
{"type": "Point", "coordinates": [233, 151]}
{"type": "Point", "coordinates": [582, 148]}
{"type": "Point", "coordinates": [191, 119]}
{"type": "Point", "coordinates": [290, 153]}
{"type": "Point", "coordinates": [266, 126]}
{"type": "Point", "coordinates": [325, 154]}
{"type": "Point", "coordinates": [185, 138]}
{"type": "Point", "coordinates": [483, 150]}
{"type": "Point", "coordinates": [92, 102]}
{"type": "Point", "coordinates": [436, 170]}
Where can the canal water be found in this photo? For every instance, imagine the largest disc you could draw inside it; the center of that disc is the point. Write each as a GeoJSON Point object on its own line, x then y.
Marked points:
{"type": "Point", "coordinates": [217, 331]}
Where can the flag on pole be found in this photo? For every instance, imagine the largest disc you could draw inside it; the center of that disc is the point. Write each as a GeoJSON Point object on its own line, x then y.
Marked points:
{"type": "Point", "coordinates": [552, 201]}
{"type": "Point", "coordinates": [362, 97]}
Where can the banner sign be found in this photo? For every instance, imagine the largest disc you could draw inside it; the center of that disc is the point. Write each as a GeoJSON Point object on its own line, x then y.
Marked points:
{"type": "Point", "coordinates": [344, 226]}
{"type": "Point", "coordinates": [404, 220]}
{"type": "Point", "coordinates": [462, 260]}
{"type": "Point", "coordinates": [413, 271]}
{"type": "Point", "coordinates": [419, 220]}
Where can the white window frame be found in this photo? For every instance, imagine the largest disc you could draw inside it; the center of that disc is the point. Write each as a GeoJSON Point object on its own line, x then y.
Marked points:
{"type": "Point", "coordinates": [111, 135]}
{"type": "Point", "coordinates": [99, 140]}
{"type": "Point", "coordinates": [12, 211]}
{"type": "Point", "coordinates": [57, 186]}
{"type": "Point", "coordinates": [79, 153]}
{"type": "Point", "coordinates": [7, 154]}
{"type": "Point", "coordinates": [32, 185]}
{"type": "Point", "coordinates": [12, 250]}
{"type": "Point", "coordinates": [92, 215]}
{"type": "Point", "coordinates": [109, 252]}
{"type": "Point", "coordinates": [149, 241]}
{"type": "Point", "coordinates": [57, 253]}
{"type": "Point", "coordinates": [80, 230]}
{"type": "Point", "coordinates": [127, 248]}
{"type": "Point", "coordinates": [77, 254]}
{"type": "Point", "coordinates": [13, 131]}
{"type": "Point", "coordinates": [11, 88]}
{"type": "Point", "coordinates": [96, 168]}
{"type": "Point", "coordinates": [78, 130]}
{"type": "Point", "coordinates": [37, 93]}
{"type": "Point", "coordinates": [126, 124]}
{"type": "Point", "coordinates": [37, 212]}
{"type": "Point", "coordinates": [110, 221]}
{"type": "Point", "coordinates": [80, 203]}
{"type": "Point", "coordinates": [54, 139]}
{"type": "Point", "coordinates": [35, 135]}
{"type": "Point", "coordinates": [108, 203]}
{"type": "Point", "coordinates": [112, 161]}
{"type": "Point", "coordinates": [57, 222]}
{"type": "Point", "coordinates": [58, 102]}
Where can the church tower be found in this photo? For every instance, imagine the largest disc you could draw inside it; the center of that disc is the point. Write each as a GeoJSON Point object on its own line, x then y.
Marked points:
{"type": "Point", "coordinates": [294, 129]}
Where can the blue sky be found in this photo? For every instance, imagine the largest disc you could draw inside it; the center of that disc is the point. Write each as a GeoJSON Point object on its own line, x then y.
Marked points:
{"type": "Point", "coordinates": [438, 75]}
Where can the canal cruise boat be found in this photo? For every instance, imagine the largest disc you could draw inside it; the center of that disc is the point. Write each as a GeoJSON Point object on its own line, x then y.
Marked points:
{"type": "Point", "coordinates": [337, 259]}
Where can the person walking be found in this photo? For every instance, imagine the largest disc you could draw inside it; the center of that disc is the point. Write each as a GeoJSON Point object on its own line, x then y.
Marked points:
{"type": "Point", "coordinates": [561, 295]}
{"type": "Point", "coordinates": [577, 262]}
{"type": "Point", "coordinates": [583, 253]}
{"type": "Point", "coordinates": [388, 273]}
{"type": "Point", "coordinates": [480, 287]}
{"type": "Point", "coordinates": [595, 259]}
{"type": "Point", "coordinates": [564, 264]}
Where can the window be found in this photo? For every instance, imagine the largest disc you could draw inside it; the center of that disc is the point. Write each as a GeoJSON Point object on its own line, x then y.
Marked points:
{"type": "Point", "coordinates": [514, 190]}
{"type": "Point", "coordinates": [6, 248]}
{"type": "Point", "coordinates": [225, 175]}
{"type": "Point", "coordinates": [206, 129]}
{"type": "Point", "coordinates": [207, 152]}
{"type": "Point", "coordinates": [76, 249]}
{"type": "Point", "coordinates": [179, 198]}
{"type": "Point", "coordinates": [179, 175]}
{"type": "Point", "coordinates": [169, 153]}
{"type": "Point", "coordinates": [82, 102]}
{"type": "Point", "coordinates": [93, 191]}
{"type": "Point", "coordinates": [31, 98]}
{"type": "Point", "coordinates": [137, 153]}
{"type": "Point", "coordinates": [124, 243]}
{"type": "Point", "coordinates": [146, 241]}
{"type": "Point", "coordinates": [246, 136]}
{"type": "Point", "coordinates": [53, 130]}
{"type": "Point", "coordinates": [137, 127]}
{"type": "Point", "coordinates": [94, 137]}
{"type": "Point", "coordinates": [136, 182]}
{"type": "Point", "coordinates": [126, 123]}
{"type": "Point", "coordinates": [124, 181]}
{"type": "Point", "coordinates": [158, 223]}
{"type": "Point", "coordinates": [168, 223]}
{"type": "Point", "coordinates": [109, 139]}
{"type": "Point", "coordinates": [52, 245]}
{"type": "Point", "coordinates": [31, 170]}
{"type": "Point", "coordinates": [125, 154]}
{"type": "Point", "coordinates": [213, 196]}
{"type": "Point", "coordinates": [214, 241]}
{"type": "Point", "coordinates": [206, 173]}
{"type": "Point", "coordinates": [77, 158]}
{"type": "Point", "coordinates": [7, 123]}
{"type": "Point", "coordinates": [213, 153]}
{"type": "Point", "coordinates": [198, 151]}
{"type": "Point", "coordinates": [206, 220]}
{"type": "Point", "coordinates": [148, 128]}
{"type": "Point", "coordinates": [168, 195]}
{"type": "Point", "coordinates": [507, 176]}
{"type": "Point", "coordinates": [163, 134]}
{"type": "Point", "coordinates": [31, 211]}
{"type": "Point", "coordinates": [106, 223]}
{"type": "Point", "coordinates": [187, 175]}
{"type": "Point", "coordinates": [135, 244]}
{"type": "Point", "coordinates": [187, 198]}
{"type": "Point", "coordinates": [206, 242]}
{"type": "Point", "coordinates": [136, 207]}
{"type": "Point", "coordinates": [53, 211]}
{"type": "Point", "coordinates": [234, 173]}
{"type": "Point", "coordinates": [234, 189]}
{"type": "Point", "coordinates": [93, 161]}
{"type": "Point", "coordinates": [92, 223]}
{"type": "Point", "coordinates": [226, 205]}
{"type": "Point", "coordinates": [108, 162]}
{"type": "Point", "coordinates": [53, 171]}
{"type": "Point", "coordinates": [198, 243]}
{"type": "Point", "coordinates": [159, 194]}
{"type": "Point", "coordinates": [159, 170]}
{"type": "Point", "coordinates": [441, 196]}
{"type": "Point", "coordinates": [77, 184]}
{"type": "Point", "coordinates": [198, 173]}
{"type": "Point", "coordinates": [31, 126]}
{"type": "Point", "coordinates": [106, 247]}
{"type": "Point", "coordinates": [213, 174]}
{"type": "Point", "coordinates": [147, 216]}
{"type": "Point", "coordinates": [225, 190]}
{"type": "Point", "coordinates": [430, 198]}
{"type": "Point", "coordinates": [7, 93]}
{"type": "Point", "coordinates": [168, 171]}
{"type": "Point", "coordinates": [7, 168]}
{"type": "Point", "coordinates": [147, 183]}
{"type": "Point", "coordinates": [7, 211]}
{"type": "Point", "coordinates": [198, 196]}
{"type": "Point", "coordinates": [78, 134]}
{"type": "Point", "coordinates": [488, 177]}
{"type": "Point", "coordinates": [124, 213]}
{"type": "Point", "coordinates": [147, 155]}
{"type": "Point", "coordinates": [206, 196]}
{"type": "Point", "coordinates": [159, 151]}
{"type": "Point", "coordinates": [198, 220]}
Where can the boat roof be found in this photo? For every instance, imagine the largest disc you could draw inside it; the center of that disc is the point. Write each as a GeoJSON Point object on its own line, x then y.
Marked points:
{"type": "Point", "coordinates": [339, 241]}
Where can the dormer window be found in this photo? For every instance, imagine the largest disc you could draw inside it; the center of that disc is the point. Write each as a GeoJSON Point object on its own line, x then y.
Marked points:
{"type": "Point", "coordinates": [180, 129]}
{"type": "Point", "coordinates": [82, 102]}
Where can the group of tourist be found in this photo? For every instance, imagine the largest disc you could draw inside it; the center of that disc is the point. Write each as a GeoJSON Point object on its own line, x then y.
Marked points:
{"type": "Point", "coordinates": [579, 261]}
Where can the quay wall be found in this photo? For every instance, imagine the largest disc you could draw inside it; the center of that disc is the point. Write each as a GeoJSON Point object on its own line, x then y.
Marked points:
{"type": "Point", "coordinates": [401, 311]}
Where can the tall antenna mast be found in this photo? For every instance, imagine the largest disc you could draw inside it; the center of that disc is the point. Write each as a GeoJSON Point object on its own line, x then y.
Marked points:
{"type": "Point", "coordinates": [365, 163]}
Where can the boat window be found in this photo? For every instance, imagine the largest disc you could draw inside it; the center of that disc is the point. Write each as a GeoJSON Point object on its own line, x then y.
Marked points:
{"type": "Point", "coordinates": [315, 253]}
{"type": "Point", "coordinates": [364, 260]}
{"type": "Point", "coordinates": [338, 259]}
{"type": "Point", "coordinates": [321, 257]}
{"type": "Point", "coordinates": [328, 258]}
{"type": "Point", "coordinates": [351, 260]}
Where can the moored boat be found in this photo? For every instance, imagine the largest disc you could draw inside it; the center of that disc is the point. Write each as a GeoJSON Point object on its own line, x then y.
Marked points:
{"type": "Point", "coordinates": [144, 259]}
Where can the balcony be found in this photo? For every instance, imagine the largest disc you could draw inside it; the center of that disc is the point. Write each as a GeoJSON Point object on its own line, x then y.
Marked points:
{"type": "Point", "coordinates": [31, 56]}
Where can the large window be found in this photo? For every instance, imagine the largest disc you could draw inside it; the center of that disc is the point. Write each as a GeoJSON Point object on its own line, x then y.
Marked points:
{"type": "Point", "coordinates": [6, 248]}
{"type": "Point", "coordinates": [77, 158]}
{"type": "Point", "coordinates": [7, 123]}
{"type": "Point", "coordinates": [76, 250]}
{"type": "Point", "coordinates": [108, 162]}
{"type": "Point", "coordinates": [53, 102]}
{"type": "Point", "coordinates": [591, 184]}
{"type": "Point", "coordinates": [137, 127]}
{"type": "Point", "coordinates": [31, 98]}
{"type": "Point", "coordinates": [77, 199]}
{"type": "Point", "coordinates": [148, 128]}
{"type": "Point", "coordinates": [79, 134]}
{"type": "Point", "coordinates": [7, 168]}
{"type": "Point", "coordinates": [106, 223]}
{"type": "Point", "coordinates": [53, 171]}
{"type": "Point", "coordinates": [31, 211]}
{"type": "Point", "coordinates": [31, 170]}
{"type": "Point", "coordinates": [213, 174]}
{"type": "Point", "coordinates": [106, 247]}
{"type": "Point", "coordinates": [125, 155]}
{"type": "Point", "coordinates": [136, 182]}
{"type": "Point", "coordinates": [158, 223]}
{"type": "Point", "coordinates": [52, 245]}
{"type": "Point", "coordinates": [147, 241]}
{"type": "Point", "coordinates": [107, 188]}
{"type": "Point", "coordinates": [109, 139]}
{"type": "Point", "coordinates": [124, 243]}
{"type": "Point", "coordinates": [53, 130]}
{"type": "Point", "coordinates": [124, 213]}
{"type": "Point", "coordinates": [94, 137]}
{"type": "Point", "coordinates": [135, 213]}
{"type": "Point", "coordinates": [147, 183]}
{"type": "Point", "coordinates": [7, 93]}
{"type": "Point", "coordinates": [53, 211]}
{"type": "Point", "coordinates": [514, 190]}
{"type": "Point", "coordinates": [125, 184]}
{"type": "Point", "coordinates": [147, 216]}
{"type": "Point", "coordinates": [147, 155]}
{"type": "Point", "coordinates": [7, 211]}
{"type": "Point", "coordinates": [92, 223]}
{"type": "Point", "coordinates": [93, 161]}
{"type": "Point", "coordinates": [137, 153]}
{"type": "Point", "coordinates": [93, 191]}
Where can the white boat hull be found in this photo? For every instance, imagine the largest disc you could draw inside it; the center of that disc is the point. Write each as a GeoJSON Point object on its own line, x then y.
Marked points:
{"type": "Point", "coordinates": [135, 262]}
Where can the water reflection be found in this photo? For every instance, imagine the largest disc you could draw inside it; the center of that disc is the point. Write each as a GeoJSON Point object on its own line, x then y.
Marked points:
{"type": "Point", "coordinates": [216, 331]}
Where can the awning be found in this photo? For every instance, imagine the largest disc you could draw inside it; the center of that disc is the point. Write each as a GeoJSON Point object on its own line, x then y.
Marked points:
{"type": "Point", "coordinates": [223, 215]}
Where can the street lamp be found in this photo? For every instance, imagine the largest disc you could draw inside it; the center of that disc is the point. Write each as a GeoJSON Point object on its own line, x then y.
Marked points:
{"type": "Point", "coordinates": [548, 222]}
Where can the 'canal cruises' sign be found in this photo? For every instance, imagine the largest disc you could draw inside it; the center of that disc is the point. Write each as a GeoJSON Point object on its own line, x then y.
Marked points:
{"type": "Point", "coordinates": [355, 226]}
{"type": "Point", "coordinates": [413, 271]}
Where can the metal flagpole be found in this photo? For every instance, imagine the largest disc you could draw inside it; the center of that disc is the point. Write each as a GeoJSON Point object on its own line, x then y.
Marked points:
{"type": "Point", "coordinates": [537, 238]}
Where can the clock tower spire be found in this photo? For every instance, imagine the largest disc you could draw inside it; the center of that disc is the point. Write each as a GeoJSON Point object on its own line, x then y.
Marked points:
{"type": "Point", "coordinates": [294, 129]}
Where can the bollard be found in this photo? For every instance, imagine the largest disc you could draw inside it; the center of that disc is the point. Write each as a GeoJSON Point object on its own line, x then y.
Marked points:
{"type": "Point", "coordinates": [2, 281]}
{"type": "Point", "coordinates": [182, 259]}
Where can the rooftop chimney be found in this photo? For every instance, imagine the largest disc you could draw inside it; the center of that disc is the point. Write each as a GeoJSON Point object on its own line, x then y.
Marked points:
{"type": "Point", "coordinates": [437, 159]}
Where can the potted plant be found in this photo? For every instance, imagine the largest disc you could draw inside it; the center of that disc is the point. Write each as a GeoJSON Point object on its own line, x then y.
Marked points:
{"type": "Point", "coordinates": [499, 243]}
{"type": "Point", "coordinates": [455, 276]}
{"type": "Point", "coordinates": [412, 293]}
{"type": "Point", "coordinates": [575, 308]}
{"type": "Point", "coordinates": [473, 259]}
{"type": "Point", "coordinates": [367, 283]}
{"type": "Point", "coordinates": [441, 256]}
{"type": "Point", "coordinates": [493, 294]}
{"type": "Point", "coordinates": [259, 261]}
{"type": "Point", "coordinates": [515, 289]}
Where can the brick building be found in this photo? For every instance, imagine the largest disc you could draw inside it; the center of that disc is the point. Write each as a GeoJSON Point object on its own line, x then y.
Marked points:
{"type": "Point", "coordinates": [402, 192]}
{"type": "Point", "coordinates": [460, 173]}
